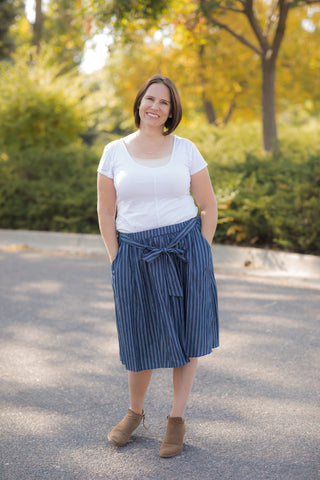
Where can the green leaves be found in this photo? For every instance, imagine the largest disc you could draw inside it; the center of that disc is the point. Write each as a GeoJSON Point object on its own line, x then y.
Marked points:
{"type": "Point", "coordinates": [49, 189]}
{"type": "Point", "coordinates": [39, 107]}
{"type": "Point", "coordinates": [277, 203]}
{"type": "Point", "coordinates": [120, 13]}
{"type": "Point", "coordinates": [9, 11]}
{"type": "Point", "coordinates": [263, 199]}
{"type": "Point", "coordinates": [47, 176]}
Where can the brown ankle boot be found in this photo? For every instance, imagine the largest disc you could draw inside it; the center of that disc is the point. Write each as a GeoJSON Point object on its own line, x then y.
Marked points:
{"type": "Point", "coordinates": [173, 440]}
{"type": "Point", "coordinates": [121, 433]}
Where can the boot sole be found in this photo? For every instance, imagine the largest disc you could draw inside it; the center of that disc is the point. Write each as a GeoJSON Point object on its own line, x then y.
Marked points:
{"type": "Point", "coordinates": [117, 444]}
{"type": "Point", "coordinates": [171, 455]}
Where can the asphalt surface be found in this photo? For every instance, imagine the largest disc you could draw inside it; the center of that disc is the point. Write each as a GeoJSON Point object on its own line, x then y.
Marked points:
{"type": "Point", "coordinates": [253, 413]}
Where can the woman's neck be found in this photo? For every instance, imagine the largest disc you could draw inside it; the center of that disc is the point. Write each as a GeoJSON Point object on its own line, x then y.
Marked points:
{"type": "Point", "coordinates": [149, 144]}
{"type": "Point", "coordinates": [147, 132]}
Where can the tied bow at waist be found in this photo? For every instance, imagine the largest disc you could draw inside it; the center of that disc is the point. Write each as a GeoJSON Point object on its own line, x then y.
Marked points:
{"type": "Point", "coordinates": [155, 252]}
{"type": "Point", "coordinates": [166, 255]}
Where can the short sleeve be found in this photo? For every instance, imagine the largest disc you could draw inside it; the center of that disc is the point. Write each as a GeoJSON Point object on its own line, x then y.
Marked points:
{"type": "Point", "coordinates": [197, 161]}
{"type": "Point", "coordinates": [106, 162]}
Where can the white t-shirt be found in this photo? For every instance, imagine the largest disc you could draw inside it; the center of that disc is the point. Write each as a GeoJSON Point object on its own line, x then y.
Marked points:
{"type": "Point", "coordinates": [152, 197]}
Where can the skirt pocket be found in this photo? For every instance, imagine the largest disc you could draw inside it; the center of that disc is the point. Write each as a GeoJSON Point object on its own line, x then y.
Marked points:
{"type": "Point", "coordinates": [115, 260]}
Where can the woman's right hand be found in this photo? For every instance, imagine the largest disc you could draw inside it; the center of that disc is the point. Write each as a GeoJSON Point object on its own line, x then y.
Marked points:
{"type": "Point", "coordinates": [112, 257]}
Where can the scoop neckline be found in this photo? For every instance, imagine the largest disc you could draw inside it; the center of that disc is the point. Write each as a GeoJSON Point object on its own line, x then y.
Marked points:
{"type": "Point", "coordinates": [146, 166]}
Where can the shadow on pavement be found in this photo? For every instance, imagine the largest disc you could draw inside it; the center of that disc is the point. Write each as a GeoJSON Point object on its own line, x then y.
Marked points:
{"type": "Point", "coordinates": [253, 412]}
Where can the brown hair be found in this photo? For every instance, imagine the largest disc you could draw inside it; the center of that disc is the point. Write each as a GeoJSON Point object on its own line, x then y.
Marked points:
{"type": "Point", "coordinates": [176, 107]}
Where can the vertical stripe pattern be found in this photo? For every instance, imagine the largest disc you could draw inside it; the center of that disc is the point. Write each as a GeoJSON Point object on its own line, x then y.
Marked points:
{"type": "Point", "coordinates": [165, 296]}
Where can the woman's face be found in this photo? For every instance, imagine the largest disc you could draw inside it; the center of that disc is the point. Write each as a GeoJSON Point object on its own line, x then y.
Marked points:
{"type": "Point", "coordinates": [155, 106]}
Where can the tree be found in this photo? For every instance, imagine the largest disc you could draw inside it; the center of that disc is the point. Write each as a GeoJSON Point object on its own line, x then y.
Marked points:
{"type": "Point", "coordinates": [60, 29]}
{"type": "Point", "coordinates": [40, 107]}
{"type": "Point", "coordinates": [9, 11]}
{"type": "Point", "coordinates": [299, 63]}
{"type": "Point", "coordinates": [222, 84]}
{"type": "Point", "coordinates": [267, 25]}
{"type": "Point", "coordinates": [211, 79]}
{"type": "Point", "coordinates": [182, 47]}
{"type": "Point", "coordinates": [65, 31]}
{"type": "Point", "coordinates": [38, 25]}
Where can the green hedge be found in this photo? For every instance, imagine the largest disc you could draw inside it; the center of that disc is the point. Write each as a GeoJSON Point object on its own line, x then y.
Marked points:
{"type": "Point", "coordinates": [275, 203]}
{"type": "Point", "coordinates": [49, 189]}
{"type": "Point", "coordinates": [268, 200]}
{"type": "Point", "coordinates": [264, 200]}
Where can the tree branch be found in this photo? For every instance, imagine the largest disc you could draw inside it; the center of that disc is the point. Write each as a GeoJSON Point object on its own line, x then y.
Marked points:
{"type": "Point", "coordinates": [263, 41]}
{"type": "Point", "coordinates": [270, 21]}
{"type": "Point", "coordinates": [232, 9]}
{"type": "Point", "coordinates": [237, 36]}
{"type": "Point", "coordinates": [297, 4]}
{"type": "Point", "coordinates": [281, 27]}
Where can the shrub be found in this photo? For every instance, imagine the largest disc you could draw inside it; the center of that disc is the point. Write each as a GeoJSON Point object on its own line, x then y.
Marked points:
{"type": "Point", "coordinates": [265, 200]}
{"type": "Point", "coordinates": [39, 108]}
{"type": "Point", "coordinates": [276, 203]}
{"type": "Point", "coordinates": [49, 189]}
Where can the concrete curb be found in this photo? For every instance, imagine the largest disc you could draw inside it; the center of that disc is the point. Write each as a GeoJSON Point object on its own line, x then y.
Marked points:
{"type": "Point", "coordinates": [63, 242]}
{"type": "Point", "coordinates": [268, 261]}
{"type": "Point", "coordinates": [253, 260]}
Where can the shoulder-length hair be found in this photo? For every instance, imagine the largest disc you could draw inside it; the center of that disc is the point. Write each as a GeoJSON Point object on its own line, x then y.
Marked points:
{"type": "Point", "coordinates": [176, 107]}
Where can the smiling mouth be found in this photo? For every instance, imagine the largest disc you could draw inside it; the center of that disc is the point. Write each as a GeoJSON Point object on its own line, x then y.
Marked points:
{"type": "Point", "coordinates": [152, 115]}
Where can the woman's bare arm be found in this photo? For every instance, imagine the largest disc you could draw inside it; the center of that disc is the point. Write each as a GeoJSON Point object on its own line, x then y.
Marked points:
{"type": "Point", "coordinates": [206, 200]}
{"type": "Point", "coordinates": [106, 208]}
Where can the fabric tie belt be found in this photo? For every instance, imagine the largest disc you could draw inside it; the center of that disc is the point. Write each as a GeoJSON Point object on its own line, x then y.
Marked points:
{"type": "Point", "coordinates": [153, 253]}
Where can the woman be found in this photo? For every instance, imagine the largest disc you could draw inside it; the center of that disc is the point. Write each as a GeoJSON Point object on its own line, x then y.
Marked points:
{"type": "Point", "coordinates": [159, 249]}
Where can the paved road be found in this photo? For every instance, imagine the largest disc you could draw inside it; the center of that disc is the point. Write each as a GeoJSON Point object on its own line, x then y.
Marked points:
{"type": "Point", "coordinates": [253, 413]}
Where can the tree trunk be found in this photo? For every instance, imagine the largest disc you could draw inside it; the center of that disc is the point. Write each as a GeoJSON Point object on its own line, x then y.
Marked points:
{"type": "Point", "coordinates": [229, 113]}
{"type": "Point", "coordinates": [207, 104]}
{"type": "Point", "coordinates": [38, 24]}
{"type": "Point", "coordinates": [209, 109]}
{"type": "Point", "coordinates": [270, 138]}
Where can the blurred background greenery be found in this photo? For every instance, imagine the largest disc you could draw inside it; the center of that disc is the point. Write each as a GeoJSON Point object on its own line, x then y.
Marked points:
{"type": "Point", "coordinates": [248, 73]}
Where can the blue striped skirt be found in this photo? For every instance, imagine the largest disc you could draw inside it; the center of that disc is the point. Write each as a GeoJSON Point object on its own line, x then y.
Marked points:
{"type": "Point", "coordinates": [165, 296]}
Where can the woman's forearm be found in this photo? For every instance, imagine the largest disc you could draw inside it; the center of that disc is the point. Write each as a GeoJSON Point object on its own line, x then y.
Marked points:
{"type": "Point", "coordinates": [107, 225]}
{"type": "Point", "coordinates": [209, 220]}
{"type": "Point", "coordinates": [206, 200]}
